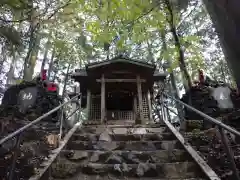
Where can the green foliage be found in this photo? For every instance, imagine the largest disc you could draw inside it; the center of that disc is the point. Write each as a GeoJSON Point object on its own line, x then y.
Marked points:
{"type": "Point", "coordinates": [15, 4]}
{"type": "Point", "coordinates": [84, 31]}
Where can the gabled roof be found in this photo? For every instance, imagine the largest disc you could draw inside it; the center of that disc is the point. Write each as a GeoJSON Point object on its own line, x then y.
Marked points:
{"type": "Point", "coordinates": [120, 59]}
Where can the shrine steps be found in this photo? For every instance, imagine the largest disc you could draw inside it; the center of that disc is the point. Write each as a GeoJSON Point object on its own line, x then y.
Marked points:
{"type": "Point", "coordinates": [125, 152]}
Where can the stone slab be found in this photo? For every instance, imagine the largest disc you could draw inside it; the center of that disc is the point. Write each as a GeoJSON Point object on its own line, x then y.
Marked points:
{"type": "Point", "coordinates": [124, 145]}
{"type": "Point", "coordinates": [125, 137]}
{"type": "Point", "coordinates": [132, 157]}
{"type": "Point", "coordinates": [160, 170]}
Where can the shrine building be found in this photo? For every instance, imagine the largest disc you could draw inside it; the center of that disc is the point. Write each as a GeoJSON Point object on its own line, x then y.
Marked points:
{"type": "Point", "coordinates": [118, 89]}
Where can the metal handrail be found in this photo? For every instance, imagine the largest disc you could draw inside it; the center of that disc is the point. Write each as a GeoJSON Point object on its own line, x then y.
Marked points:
{"type": "Point", "coordinates": [18, 132]}
{"type": "Point", "coordinates": [208, 118]}
{"type": "Point", "coordinates": [221, 126]}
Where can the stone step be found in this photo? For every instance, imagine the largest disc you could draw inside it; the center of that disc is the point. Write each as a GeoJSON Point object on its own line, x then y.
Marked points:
{"type": "Point", "coordinates": [125, 125]}
{"type": "Point", "coordinates": [193, 124]}
{"type": "Point", "coordinates": [162, 170]}
{"type": "Point", "coordinates": [131, 157]}
{"type": "Point", "coordinates": [193, 133]}
{"type": "Point", "coordinates": [124, 137]}
{"type": "Point", "coordinates": [124, 145]}
{"type": "Point", "coordinates": [123, 130]}
{"type": "Point", "coordinates": [205, 149]}
{"type": "Point", "coordinates": [203, 138]}
{"type": "Point", "coordinates": [192, 121]}
{"type": "Point", "coordinates": [117, 122]}
{"type": "Point", "coordinates": [112, 177]}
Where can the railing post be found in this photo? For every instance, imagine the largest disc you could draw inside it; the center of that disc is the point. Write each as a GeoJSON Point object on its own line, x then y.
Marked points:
{"type": "Point", "coordinates": [78, 100]}
{"type": "Point", "coordinates": [140, 99]}
{"type": "Point", "coordinates": [80, 105]}
{"type": "Point", "coordinates": [162, 107]}
{"type": "Point", "coordinates": [103, 99]}
{"type": "Point", "coordinates": [61, 124]}
{"type": "Point", "coordinates": [149, 105]}
{"type": "Point", "coordinates": [15, 155]}
{"type": "Point", "coordinates": [229, 152]}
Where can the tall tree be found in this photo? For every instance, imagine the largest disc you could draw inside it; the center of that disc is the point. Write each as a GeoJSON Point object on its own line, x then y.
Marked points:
{"type": "Point", "coordinates": [177, 43]}
{"type": "Point", "coordinates": [172, 77]}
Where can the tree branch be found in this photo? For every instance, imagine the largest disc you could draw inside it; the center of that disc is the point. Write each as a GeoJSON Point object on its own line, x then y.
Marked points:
{"type": "Point", "coordinates": [39, 15]}
{"type": "Point", "coordinates": [141, 16]}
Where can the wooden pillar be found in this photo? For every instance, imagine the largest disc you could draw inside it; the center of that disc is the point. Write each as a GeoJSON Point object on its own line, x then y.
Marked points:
{"type": "Point", "coordinates": [102, 98]}
{"type": "Point", "coordinates": [149, 105]}
{"type": "Point", "coordinates": [88, 103]}
{"type": "Point", "coordinates": [140, 102]}
{"type": "Point", "coordinates": [74, 105]}
{"type": "Point", "coordinates": [135, 109]}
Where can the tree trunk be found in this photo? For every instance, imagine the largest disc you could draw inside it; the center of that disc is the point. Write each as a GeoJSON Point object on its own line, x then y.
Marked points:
{"type": "Point", "coordinates": [14, 57]}
{"type": "Point", "coordinates": [225, 16]}
{"type": "Point", "coordinates": [54, 76]}
{"type": "Point", "coordinates": [182, 64]}
{"type": "Point", "coordinates": [172, 77]}
{"type": "Point", "coordinates": [51, 63]}
{"type": "Point", "coordinates": [47, 47]}
{"type": "Point", "coordinates": [3, 57]}
{"type": "Point", "coordinates": [10, 73]}
{"type": "Point", "coordinates": [66, 79]}
{"type": "Point", "coordinates": [34, 40]}
{"type": "Point", "coordinates": [150, 53]}
{"type": "Point", "coordinates": [223, 77]}
{"type": "Point", "coordinates": [29, 71]}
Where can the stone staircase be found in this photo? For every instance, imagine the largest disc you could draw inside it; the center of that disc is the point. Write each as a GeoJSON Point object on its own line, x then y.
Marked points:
{"type": "Point", "coordinates": [125, 152]}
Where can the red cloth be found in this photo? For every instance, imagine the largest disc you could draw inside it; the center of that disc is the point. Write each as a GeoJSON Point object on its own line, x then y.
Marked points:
{"type": "Point", "coordinates": [51, 87]}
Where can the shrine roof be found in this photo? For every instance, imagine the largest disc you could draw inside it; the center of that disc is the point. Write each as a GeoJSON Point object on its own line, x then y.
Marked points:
{"type": "Point", "coordinates": [120, 59]}
{"type": "Point", "coordinates": [126, 62]}
{"type": "Point", "coordinates": [118, 67]}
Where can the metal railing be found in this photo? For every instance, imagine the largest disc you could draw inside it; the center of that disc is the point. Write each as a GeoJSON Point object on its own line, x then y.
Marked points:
{"type": "Point", "coordinates": [221, 126]}
{"type": "Point", "coordinates": [18, 133]}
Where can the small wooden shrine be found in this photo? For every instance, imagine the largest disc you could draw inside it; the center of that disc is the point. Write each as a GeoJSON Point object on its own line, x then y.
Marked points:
{"type": "Point", "coordinates": [118, 89]}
